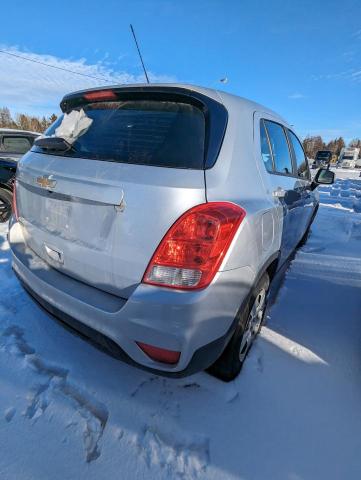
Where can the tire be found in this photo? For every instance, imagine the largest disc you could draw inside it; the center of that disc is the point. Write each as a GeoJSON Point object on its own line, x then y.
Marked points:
{"type": "Point", "coordinates": [230, 363]}
{"type": "Point", "coordinates": [5, 205]}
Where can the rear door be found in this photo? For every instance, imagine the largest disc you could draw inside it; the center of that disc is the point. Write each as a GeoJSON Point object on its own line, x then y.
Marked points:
{"type": "Point", "coordinates": [285, 186]}
{"type": "Point", "coordinates": [98, 211]}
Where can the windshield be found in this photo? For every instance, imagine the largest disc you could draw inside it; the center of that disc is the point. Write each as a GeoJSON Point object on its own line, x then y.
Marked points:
{"type": "Point", "coordinates": [145, 132]}
{"type": "Point", "coordinates": [323, 155]}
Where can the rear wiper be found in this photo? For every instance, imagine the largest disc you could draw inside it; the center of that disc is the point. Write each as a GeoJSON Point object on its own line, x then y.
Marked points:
{"type": "Point", "coordinates": [57, 144]}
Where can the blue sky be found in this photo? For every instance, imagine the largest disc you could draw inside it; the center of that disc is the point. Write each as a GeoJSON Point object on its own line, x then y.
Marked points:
{"type": "Point", "coordinates": [301, 58]}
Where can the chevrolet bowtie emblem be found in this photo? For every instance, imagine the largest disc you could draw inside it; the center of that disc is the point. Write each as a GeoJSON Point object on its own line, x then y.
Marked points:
{"type": "Point", "coordinates": [46, 181]}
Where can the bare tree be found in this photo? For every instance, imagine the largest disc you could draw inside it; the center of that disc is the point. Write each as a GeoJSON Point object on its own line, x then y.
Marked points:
{"type": "Point", "coordinates": [312, 144]}
{"type": "Point", "coordinates": [356, 143]}
{"type": "Point", "coordinates": [5, 118]}
{"type": "Point", "coordinates": [24, 121]}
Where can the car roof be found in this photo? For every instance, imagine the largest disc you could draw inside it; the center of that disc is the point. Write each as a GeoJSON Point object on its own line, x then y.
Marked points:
{"type": "Point", "coordinates": [230, 101]}
{"type": "Point", "coordinates": [14, 131]}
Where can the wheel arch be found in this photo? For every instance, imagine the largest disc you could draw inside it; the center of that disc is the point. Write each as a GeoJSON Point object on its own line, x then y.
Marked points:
{"type": "Point", "coordinates": [270, 267]}
{"type": "Point", "coordinates": [219, 368]}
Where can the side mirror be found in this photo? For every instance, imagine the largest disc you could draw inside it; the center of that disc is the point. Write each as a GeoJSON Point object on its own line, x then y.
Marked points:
{"type": "Point", "coordinates": [324, 176]}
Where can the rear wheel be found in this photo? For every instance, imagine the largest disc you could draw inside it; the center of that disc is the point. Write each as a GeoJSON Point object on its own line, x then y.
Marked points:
{"type": "Point", "coordinates": [228, 366]}
{"type": "Point", "coordinates": [5, 205]}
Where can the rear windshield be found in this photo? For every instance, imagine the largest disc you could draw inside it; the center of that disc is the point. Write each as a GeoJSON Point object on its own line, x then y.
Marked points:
{"type": "Point", "coordinates": [144, 132]}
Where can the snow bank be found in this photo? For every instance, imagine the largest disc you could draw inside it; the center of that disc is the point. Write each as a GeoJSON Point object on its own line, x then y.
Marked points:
{"type": "Point", "coordinates": [70, 411]}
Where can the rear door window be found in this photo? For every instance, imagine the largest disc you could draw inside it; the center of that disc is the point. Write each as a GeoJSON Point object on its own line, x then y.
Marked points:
{"type": "Point", "coordinates": [279, 145]}
{"type": "Point", "coordinates": [144, 132]}
{"type": "Point", "coordinates": [301, 160]}
{"type": "Point", "coordinates": [16, 144]}
{"type": "Point", "coordinates": [265, 149]}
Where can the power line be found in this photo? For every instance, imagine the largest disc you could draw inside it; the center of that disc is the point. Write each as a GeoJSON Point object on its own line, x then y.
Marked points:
{"type": "Point", "coordinates": [54, 66]}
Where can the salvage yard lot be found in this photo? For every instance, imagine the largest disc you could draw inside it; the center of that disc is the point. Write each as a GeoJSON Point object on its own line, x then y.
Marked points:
{"type": "Point", "coordinates": [68, 410]}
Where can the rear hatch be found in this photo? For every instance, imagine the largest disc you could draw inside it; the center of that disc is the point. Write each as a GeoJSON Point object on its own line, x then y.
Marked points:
{"type": "Point", "coordinates": [98, 209]}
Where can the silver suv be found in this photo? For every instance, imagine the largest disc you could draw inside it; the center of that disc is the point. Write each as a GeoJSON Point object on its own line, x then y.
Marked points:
{"type": "Point", "coordinates": [153, 218]}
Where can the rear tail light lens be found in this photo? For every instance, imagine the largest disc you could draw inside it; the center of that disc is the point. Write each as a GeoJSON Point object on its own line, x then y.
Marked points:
{"type": "Point", "coordinates": [192, 251]}
{"type": "Point", "coordinates": [14, 205]}
{"type": "Point", "coordinates": [100, 95]}
{"type": "Point", "coordinates": [159, 354]}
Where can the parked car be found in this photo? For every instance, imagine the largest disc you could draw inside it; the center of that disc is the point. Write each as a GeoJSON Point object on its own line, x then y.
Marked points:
{"type": "Point", "coordinates": [152, 219]}
{"type": "Point", "coordinates": [13, 144]}
{"type": "Point", "coordinates": [323, 159]}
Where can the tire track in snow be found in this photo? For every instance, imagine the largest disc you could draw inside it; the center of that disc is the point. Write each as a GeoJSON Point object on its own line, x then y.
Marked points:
{"type": "Point", "coordinates": [54, 379]}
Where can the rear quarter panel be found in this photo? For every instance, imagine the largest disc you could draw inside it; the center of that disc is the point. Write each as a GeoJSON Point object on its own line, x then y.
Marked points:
{"type": "Point", "coordinates": [239, 176]}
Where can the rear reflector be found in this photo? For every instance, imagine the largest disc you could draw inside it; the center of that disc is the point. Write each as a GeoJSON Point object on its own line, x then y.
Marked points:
{"type": "Point", "coordinates": [193, 249]}
{"type": "Point", "coordinates": [14, 205]}
{"type": "Point", "coordinates": [100, 95]}
{"type": "Point", "coordinates": [159, 354]}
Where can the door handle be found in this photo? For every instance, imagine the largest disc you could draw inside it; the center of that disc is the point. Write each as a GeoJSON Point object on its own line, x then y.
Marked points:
{"type": "Point", "coordinates": [279, 192]}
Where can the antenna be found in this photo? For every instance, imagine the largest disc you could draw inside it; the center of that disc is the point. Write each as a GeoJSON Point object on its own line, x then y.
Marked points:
{"type": "Point", "coordinates": [140, 55]}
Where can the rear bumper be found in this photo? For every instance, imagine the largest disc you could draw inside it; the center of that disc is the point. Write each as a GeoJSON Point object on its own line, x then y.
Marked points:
{"type": "Point", "coordinates": [198, 324]}
{"type": "Point", "coordinates": [201, 359]}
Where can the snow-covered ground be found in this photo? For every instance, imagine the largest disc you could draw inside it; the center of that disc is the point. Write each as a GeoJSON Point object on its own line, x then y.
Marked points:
{"type": "Point", "coordinates": [344, 173]}
{"type": "Point", "coordinates": [69, 411]}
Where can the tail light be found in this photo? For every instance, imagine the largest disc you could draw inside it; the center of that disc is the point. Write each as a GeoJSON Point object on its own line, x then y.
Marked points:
{"type": "Point", "coordinates": [159, 354]}
{"type": "Point", "coordinates": [14, 205]}
{"type": "Point", "coordinates": [192, 251]}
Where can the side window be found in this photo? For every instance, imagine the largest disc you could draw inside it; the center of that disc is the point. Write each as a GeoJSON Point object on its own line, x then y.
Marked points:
{"type": "Point", "coordinates": [265, 149]}
{"type": "Point", "coordinates": [16, 144]}
{"type": "Point", "coordinates": [281, 153]}
{"type": "Point", "coordinates": [301, 160]}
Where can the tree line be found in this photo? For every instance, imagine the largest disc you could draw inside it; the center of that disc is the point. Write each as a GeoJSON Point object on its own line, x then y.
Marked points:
{"type": "Point", "coordinates": [312, 144]}
{"type": "Point", "coordinates": [22, 121]}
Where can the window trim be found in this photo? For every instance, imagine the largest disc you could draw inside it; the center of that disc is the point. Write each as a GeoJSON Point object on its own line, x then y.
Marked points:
{"type": "Point", "coordinates": [290, 150]}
